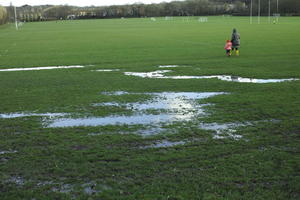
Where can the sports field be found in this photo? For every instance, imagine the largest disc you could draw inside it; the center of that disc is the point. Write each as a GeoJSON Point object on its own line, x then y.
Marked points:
{"type": "Point", "coordinates": [167, 130]}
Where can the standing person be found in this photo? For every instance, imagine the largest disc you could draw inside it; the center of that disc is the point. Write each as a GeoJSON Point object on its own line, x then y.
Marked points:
{"type": "Point", "coordinates": [228, 47]}
{"type": "Point", "coordinates": [235, 39]}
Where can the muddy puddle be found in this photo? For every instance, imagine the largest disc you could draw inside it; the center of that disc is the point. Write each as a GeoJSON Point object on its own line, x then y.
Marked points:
{"type": "Point", "coordinates": [161, 75]}
{"type": "Point", "coordinates": [171, 106]}
{"type": "Point", "coordinates": [41, 68]}
{"type": "Point", "coordinates": [17, 115]}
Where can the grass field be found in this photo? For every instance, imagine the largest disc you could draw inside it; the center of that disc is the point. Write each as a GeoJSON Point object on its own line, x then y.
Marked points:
{"type": "Point", "coordinates": [112, 161]}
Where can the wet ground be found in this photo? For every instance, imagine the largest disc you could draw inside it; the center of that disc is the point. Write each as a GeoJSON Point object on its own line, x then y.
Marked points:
{"type": "Point", "coordinates": [161, 74]}
{"type": "Point", "coordinates": [171, 106]}
{"type": "Point", "coordinates": [89, 188]}
{"type": "Point", "coordinates": [16, 115]}
{"type": "Point", "coordinates": [164, 144]}
{"type": "Point", "coordinates": [7, 152]}
{"type": "Point", "coordinates": [156, 114]}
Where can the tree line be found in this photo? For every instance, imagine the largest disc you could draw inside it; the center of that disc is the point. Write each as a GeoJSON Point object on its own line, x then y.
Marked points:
{"type": "Point", "coordinates": [174, 8]}
{"type": "Point", "coordinates": [3, 15]}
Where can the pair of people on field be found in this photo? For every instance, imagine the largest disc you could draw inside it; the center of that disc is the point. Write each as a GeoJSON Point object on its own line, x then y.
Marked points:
{"type": "Point", "coordinates": [233, 45]}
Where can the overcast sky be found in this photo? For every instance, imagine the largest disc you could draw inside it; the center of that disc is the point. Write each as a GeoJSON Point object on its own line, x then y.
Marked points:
{"type": "Point", "coordinates": [77, 2]}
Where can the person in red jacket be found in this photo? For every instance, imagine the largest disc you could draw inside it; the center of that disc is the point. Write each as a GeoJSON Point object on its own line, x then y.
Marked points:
{"type": "Point", "coordinates": [228, 47]}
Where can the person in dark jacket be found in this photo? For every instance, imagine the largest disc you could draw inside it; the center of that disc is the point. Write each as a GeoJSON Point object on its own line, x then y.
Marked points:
{"type": "Point", "coordinates": [235, 40]}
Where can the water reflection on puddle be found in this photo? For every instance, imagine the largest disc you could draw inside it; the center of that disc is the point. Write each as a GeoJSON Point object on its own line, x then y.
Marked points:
{"type": "Point", "coordinates": [161, 74]}
{"type": "Point", "coordinates": [7, 152]}
{"type": "Point", "coordinates": [114, 120]}
{"type": "Point", "coordinates": [223, 131]}
{"type": "Point", "coordinates": [16, 180]}
{"type": "Point", "coordinates": [16, 115]}
{"type": "Point", "coordinates": [181, 102]}
{"type": "Point", "coordinates": [181, 106]}
{"type": "Point", "coordinates": [40, 68]}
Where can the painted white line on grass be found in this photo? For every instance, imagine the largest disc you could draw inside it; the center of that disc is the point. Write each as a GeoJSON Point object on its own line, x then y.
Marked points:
{"type": "Point", "coordinates": [168, 66]}
{"type": "Point", "coordinates": [106, 70]}
{"type": "Point", "coordinates": [40, 68]}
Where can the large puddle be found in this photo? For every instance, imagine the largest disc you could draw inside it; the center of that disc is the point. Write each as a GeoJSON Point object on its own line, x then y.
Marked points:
{"type": "Point", "coordinates": [158, 114]}
{"type": "Point", "coordinates": [170, 106]}
{"type": "Point", "coordinates": [41, 68]}
{"type": "Point", "coordinates": [161, 75]}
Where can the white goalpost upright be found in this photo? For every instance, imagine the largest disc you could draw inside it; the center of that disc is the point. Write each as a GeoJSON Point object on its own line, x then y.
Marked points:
{"type": "Point", "coordinates": [258, 16]}
{"type": "Point", "coordinates": [251, 9]}
{"type": "Point", "coordinates": [16, 20]}
{"type": "Point", "coordinates": [269, 12]}
{"type": "Point", "coordinates": [277, 10]}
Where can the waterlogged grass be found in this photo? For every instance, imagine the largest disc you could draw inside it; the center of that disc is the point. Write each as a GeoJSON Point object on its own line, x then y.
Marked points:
{"type": "Point", "coordinates": [109, 162]}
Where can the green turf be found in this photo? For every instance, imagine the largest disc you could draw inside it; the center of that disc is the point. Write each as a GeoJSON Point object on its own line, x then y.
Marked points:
{"type": "Point", "coordinates": [264, 165]}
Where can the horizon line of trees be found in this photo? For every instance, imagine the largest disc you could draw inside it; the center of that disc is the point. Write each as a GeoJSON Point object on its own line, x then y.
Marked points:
{"type": "Point", "coordinates": [174, 8]}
